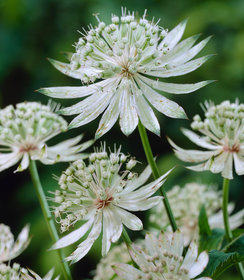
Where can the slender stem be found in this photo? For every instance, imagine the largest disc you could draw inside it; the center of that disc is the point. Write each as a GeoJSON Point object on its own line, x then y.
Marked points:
{"type": "Point", "coordinates": [126, 237]}
{"type": "Point", "coordinates": [48, 217]}
{"type": "Point", "coordinates": [228, 232]}
{"type": "Point", "coordinates": [152, 163]}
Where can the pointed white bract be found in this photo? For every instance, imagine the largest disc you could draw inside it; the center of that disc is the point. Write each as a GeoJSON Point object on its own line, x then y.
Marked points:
{"type": "Point", "coordinates": [186, 203]}
{"type": "Point", "coordinates": [24, 131]}
{"type": "Point", "coordinates": [102, 196]}
{"type": "Point", "coordinates": [162, 259]}
{"type": "Point", "coordinates": [31, 275]}
{"type": "Point", "coordinates": [222, 137]}
{"type": "Point", "coordinates": [10, 249]}
{"type": "Point", "coordinates": [120, 65]}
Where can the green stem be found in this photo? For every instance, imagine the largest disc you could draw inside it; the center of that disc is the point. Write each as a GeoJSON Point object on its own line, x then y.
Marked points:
{"type": "Point", "coordinates": [48, 217]}
{"type": "Point", "coordinates": [228, 232]}
{"type": "Point", "coordinates": [155, 172]}
{"type": "Point", "coordinates": [126, 237]}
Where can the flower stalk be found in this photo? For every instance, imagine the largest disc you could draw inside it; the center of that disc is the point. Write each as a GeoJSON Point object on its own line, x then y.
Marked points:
{"type": "Point", "coordinates": [228, 232]}
{"type": "Point", "coordinates": [155, 172]}
{"type": "Point", "coordinates": [48, 217]}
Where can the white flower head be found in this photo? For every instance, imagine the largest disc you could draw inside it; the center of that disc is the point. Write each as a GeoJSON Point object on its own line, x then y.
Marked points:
{"type": "Point", "coordinates": [102, 196]}
{"type": "Point", "coordinates": [13, 272]}
{"type": "Point", "coordinates": [31, 275]}
{"type": "Point", "coordinates": [186, 203]}
{"type": "Point", "coordinates": [162, 259]}
{"type": "Point", "coordinates": [121, 63]}
{"type": "Point", "coordinates": [24, 131]}
{"type": "Point", "coordinates": [118, 254]}
{"type": "Point", "coordinates": [222, 135]}
{"type": "Point", "coordinates": [10, 249]}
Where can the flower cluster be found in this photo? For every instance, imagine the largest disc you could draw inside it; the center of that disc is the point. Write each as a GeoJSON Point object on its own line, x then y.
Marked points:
{"type": "Point", "coordinates": [24, 131]}
{"type": "Point", "coordinates": [13, 272]}
{"type": "Point", "coordinates": [222, 134]}
{"type": "Point", "coordinates": [186, 203]}
{"type": "Point", "coordinates": [118, 254]}
{"type": "Point", "coordinates": [31, 275]}
{"type": "Point", "coordinates": [162, 259]}
{"type": "Point", "coordinates": [128, 56]}
{"type": "Point", "coordinates": [100, 194]}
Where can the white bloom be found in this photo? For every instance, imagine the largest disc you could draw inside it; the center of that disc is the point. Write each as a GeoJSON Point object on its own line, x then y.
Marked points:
{"type": "Point", "coordinates": [122, 64]}
{"type": "Point", "coordinates": [10, 249]}
{"type": "Point", "coordinates": [162, 259]}
{"type": "Point", "coordinates": [102, 196]}
{"type": "Point", "coordinates": [24, 131]}
{"type": "Point", "coordinates": [118, 254]}
{"type": "Point", "coordinates": [34, 276]}
{"type": "Point", "coordinates": [13, 272]}
{"type": "Point", "coordinates": [222, 135]}
{"type": "Point", "coordinates": [186, 203]}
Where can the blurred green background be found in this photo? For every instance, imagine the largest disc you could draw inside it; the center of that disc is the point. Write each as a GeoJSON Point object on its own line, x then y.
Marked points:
{"type": "Point", "coordinates": [31, 30]}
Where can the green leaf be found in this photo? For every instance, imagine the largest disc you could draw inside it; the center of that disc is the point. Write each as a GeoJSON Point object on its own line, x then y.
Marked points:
{"type": "Point", "coordinates": [204, 228]}
{"type": "Point", "coordinates": [237, 245]}
{"type": "Point", "coordinates": [219, 262]}
{"type": "Point", "coordinates": [213, 241]}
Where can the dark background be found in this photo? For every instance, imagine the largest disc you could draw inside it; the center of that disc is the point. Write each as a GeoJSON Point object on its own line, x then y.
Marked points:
{"type": "Point", "coordinates": [31, 30]}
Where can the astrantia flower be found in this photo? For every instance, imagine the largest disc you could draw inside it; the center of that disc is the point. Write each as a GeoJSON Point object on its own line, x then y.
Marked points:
{"type": "Point", "coordinates": [118, 254]}
{"type": "Point", "coordinates": [186, 203]}
{"type": "Point", "coordinates": [24, 131]}
{"type": "Point", "coordinates": [13, 272]}
{"type": "Point", "coordinates": [10, 249]}
{"type": "Point", "coordinates": [33, 276]}
{"type": "Point", "coordinates": [123, 62]}
{"type": "Point", "coordinates": [102, 196]}
{"type": "Point", "coordinates": [222, 134]}
{"type": "Point", "coordinates": [162, 259]}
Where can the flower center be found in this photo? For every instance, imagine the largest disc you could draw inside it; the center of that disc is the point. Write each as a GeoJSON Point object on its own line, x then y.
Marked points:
{"type": "Point", "coordinates": [103, 200]}
{"type": "Point", "coordinates": [27, 148]}
{"type": "Point", "coordinates": [234, 149]}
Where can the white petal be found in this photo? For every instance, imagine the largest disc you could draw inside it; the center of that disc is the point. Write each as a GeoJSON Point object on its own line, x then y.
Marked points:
{"type": "Point", "coordinates": [73, 236]}
{"type": "Point", "coordinates": [198, 140]}
{"type": "Point", "coordinates": [173, 88]}
{"type": "Point", "coordinates": [139, 205]}
{"type": "Point", "coordinates": [199, 266]}
{"type": "Point", "coordinates": [192, 52]}
{"type": "Point", "coordinates": [110, 116]}
{"type": "Point", "coordinates": [239, 164]}
{"type": "Point", "coordinates": [146, 114]}
{"type": "Point", "coordinates": [129, 220]}
{"type": "Point", "coordinates": [161, 103]}
{"type": "Point", "coordinates": [128, 115]}
{"type": "Point", "coordinates": [86, 245]}
{"type": "Point", "coordinates": [24, 163]}
{"type": "Point", "coordinates": [139, 181]}
{"type": "Point", "coordinates": [92, 111]}
{"type": "Point", "coordinates": [228, 168]}
{"type": "Point", "coordinates": [177, 243]}
{"type": "Point", "coordinates": [178, 70]}
{"type": "Point", "coordinates": [191, 256]}
{"type": "Point", "coordinates": [128, 272]}
{"type": "Point", "coordinates": [174, 36]}
{"type": "Point", "coordinates": [9, 160]}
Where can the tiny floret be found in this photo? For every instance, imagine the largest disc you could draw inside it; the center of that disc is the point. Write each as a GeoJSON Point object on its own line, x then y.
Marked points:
{"type": "Point", "coordinates": [186, 203]}
{"type": "Point", "coordinates": [101, 195]}
{"type": "Point", "coordinates": [31, 275]}
{"type": "Point", "coordinates": [222, 135]}
{"type": "Point", "coordinates": [121, 65]}
{"type": "Point", "coordinates": [162, 259]}
{"type": "Point", "coordinates": [24, 131]}
{"type": "Point", "coordinates": [14, 272]}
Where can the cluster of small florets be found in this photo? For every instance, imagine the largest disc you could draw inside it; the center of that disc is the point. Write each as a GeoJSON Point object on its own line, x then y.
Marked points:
{"type": "Point", "coordinates": [11, 273]}
{"type": "Point", "coordinates": [186, 204]}
{"type": "Point", "coordinates": [85, 186]}
{"type": "Point", "coordinates": [118, 254]}
{"type": "Point", "coordinates": [223, 120]}
{"type": "Point", "coordinates": [118, 48]}
{"type": "Point", "coordinates": [29, 124]}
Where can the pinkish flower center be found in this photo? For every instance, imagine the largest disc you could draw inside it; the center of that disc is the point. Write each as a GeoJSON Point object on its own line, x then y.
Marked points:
{"type": "Point", "coordinates": [234, 149]}
{"type": "Point", "coordinates": [104, 200]}
{"type": "Point", "coordinates": [27, 148]}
